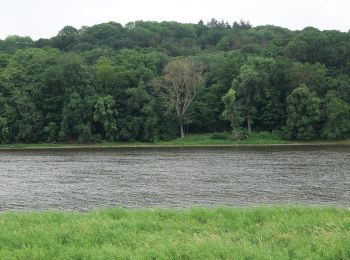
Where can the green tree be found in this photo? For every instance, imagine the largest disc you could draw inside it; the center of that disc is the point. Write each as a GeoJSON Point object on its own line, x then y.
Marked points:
{"type": "Point", "coordinates": [312, 75]}
{"type": "Point", "coordinates": [253, 81]}
{"type": "Point", "coordinates": [303, 114]}
{"type": "Point", "coordinates": [105, 115]}
{"type": "Point", "coordinates": [13, 43]}
{"type": "Point", "coordinates": [231, 112]}
{"type": "Point", "coordinates": [140, 120]}
{"type": "Point", "coordinates": [28, 122]}
{"type": "Point", "coordinates": [50, 132]}
{"type": "Point", "coordinates": [4, 131]}
{"type": "Point", "coordinates": [337, 117]}
{"type": "Point", "coordinates": [77, 117]}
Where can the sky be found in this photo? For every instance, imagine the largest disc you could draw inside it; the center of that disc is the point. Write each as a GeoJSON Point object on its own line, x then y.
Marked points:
{"type": "Point", "coordinates": [44, 18]}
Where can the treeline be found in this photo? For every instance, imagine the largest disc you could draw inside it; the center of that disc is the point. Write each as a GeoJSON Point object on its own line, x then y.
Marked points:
{"type": "Point", "coordinates": [114, 82]}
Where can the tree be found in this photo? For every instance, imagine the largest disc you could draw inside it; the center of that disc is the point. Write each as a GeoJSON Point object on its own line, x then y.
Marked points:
{"type": "Point", "coordinates": [50, 132]}
{"type": "Point", "coordinates": [65, 38]}
{"type": "Point", "coordinates": [140, 121]}
{"type": "Point", "coordinates": [303, 114]}
{"type": "Point", "coordinates": [77, 117]}
{"type": "Point", "coordinates": [79, 99]}
{"type": "Point", "coordinates": [105, 114]}
{"type": "Point", "coordinates": [337, 117]}
{"type": "Point", "coordinates": [312, 75]}
{"type": "Point", "coordinates": [68, 30]}
{"type": "Point", "coordinates": [14, 42]}
{"type": "Point", "coordinates": [254, 80]}
{"type": "Point", "coordinates": [231, 112]}
{"type": "Point", "coordinates": [182, 80]}
{"type": "Point", "coordinates": [28, 121]}
{"type": "Point", "coordinates": [4, 131]}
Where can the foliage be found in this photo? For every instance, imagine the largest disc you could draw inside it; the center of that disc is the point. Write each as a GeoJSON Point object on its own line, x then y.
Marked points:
{"type": "Point", "coordinates": [105, 114]}
{"type": "Point", "coordinates": [140, 122]}
{"type": "Point", "coordinates": [231, 112]}
{"type": "Point", "coordinates": [303, 114]}
{"type": "Point", "coordinates": [337, 117]}
{"type": "Point", "coordinates": [217, 136]}
{"type": "Point", "coordinates": [141, 81]}
{"type": "Point", "coordinates": [252, 86]}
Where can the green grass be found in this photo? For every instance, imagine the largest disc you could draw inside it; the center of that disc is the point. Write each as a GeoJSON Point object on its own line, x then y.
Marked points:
{"type": "Point", "coordinates": [225, 139]}
{"type": "Point", "coordinates": [262, 138]}
{"type": "Point", "coordinates": [223, 233]}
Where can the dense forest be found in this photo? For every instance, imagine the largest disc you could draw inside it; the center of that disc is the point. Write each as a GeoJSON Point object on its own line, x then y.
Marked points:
{"type": "Point", "coordinates": [152, 81]}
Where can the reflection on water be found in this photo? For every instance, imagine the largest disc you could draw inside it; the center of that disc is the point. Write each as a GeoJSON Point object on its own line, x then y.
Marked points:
{"type": "Point", "coordinates": [176, 177]}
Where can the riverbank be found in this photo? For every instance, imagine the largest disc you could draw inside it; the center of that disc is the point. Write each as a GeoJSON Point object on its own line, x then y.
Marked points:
{"type": "Point", "coordinates": [256, 139]}
{"type": "Point", "coordinates": [252, 233]}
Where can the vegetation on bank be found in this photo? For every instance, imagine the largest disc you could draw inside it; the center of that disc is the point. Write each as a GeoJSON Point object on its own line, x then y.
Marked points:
{"type": "Point", "coordinates": [150, 81]}
{"type": "Point", "coordinates": [191, 140]}
{"type": "Point", "coordinates": [223, 233]}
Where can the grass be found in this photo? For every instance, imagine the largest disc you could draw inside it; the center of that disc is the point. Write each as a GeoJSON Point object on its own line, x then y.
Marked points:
{"type": "Point", "coordinates": [262, 138]}
{"type": "Point", "coordinates": [225, 139]}
{"type": "Point", "coordinates": [223, 233]}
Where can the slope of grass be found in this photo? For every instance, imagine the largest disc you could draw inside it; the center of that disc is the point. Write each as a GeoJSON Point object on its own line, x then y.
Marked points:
{"type": "Point", "coordinates": [223, 233]}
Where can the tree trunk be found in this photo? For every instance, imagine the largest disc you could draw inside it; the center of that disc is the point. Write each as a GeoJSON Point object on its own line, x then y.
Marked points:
{"type": "Point", "coordinates": [249, 122]}
{"type": "Point", "coordinates": [182, 131]}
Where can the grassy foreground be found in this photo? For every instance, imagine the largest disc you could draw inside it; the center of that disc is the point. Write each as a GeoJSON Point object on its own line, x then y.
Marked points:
{"type": "Point", "coordinates": [223, 233]}
{"type": "Point", "coordinates": [262, 138]}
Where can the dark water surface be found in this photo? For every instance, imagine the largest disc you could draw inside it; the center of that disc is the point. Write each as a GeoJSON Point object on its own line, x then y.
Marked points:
{"type": "Point", "coordinates": [175, 177]}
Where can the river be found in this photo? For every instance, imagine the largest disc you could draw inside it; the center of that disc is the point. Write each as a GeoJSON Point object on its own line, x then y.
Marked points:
{"type": "Point", "coordinates": [83, 179]}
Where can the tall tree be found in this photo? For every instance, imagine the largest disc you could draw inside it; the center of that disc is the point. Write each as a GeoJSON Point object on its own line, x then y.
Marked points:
{"type": "Point", "coordinates": [105, 115]}
{"type": "Point", "coordinates": [140, 120]}
{"type": "Point", "coordinates": [303, 114]}
{"type": "Point", "coordinates": [231, 112]}
{"type": "Point", "coordinates": [337, 117]}
{"type": "Point", "coordinates": [182, 80]}
{"type": "Point", "coordinates": [251, 87]}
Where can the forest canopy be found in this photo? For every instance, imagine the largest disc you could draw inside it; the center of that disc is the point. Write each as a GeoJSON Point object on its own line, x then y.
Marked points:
{"type": "Point", "coordinates": [115, 82]}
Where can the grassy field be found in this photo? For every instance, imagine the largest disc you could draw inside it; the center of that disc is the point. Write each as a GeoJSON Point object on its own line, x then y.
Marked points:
{"type": "Point", "coordinates": [223, 233]}
{"type": "Point", "coordinates": [263, 138]}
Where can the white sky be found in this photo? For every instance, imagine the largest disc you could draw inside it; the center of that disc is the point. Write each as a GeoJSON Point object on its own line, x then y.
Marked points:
{"type": "Point", "coordinates": [44, 18]}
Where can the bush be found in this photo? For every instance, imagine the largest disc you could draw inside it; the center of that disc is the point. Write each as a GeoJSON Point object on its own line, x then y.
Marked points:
{"type": "Point", "coordinates": [50, 132]}
{"type": "Point", "coordinates": [239, 134]}
{"type": "Point", "coordinates": [5, 135]}
{"type": "Point", "coordinates": [218, 137]}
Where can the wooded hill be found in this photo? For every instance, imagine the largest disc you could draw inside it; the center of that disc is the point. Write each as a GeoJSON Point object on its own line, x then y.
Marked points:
{"type": "Point", "coordinates": [143, 80]}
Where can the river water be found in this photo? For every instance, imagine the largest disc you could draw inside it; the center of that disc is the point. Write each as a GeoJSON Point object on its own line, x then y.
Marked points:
{"type": "Point", "coordinates": [174, 177]}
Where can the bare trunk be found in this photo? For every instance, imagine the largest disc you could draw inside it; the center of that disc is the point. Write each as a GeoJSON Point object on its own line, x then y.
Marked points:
{"type": "Point", "coordinates": [249, 123]}
{"type": "Point", "coordinates": [182, 131]}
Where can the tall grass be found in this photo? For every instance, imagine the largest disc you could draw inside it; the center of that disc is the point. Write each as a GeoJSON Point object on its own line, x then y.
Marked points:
{"type": "Point", "coordinates": [223, 233]}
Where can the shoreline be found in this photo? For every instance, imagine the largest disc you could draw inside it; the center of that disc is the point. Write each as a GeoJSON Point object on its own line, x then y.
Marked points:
{"type": "Point", "coordinates": [211, 140]}
{"type": "Point", "coordinates": [209, 208]}
{"type": "Point", "coordinates": [69, 146]}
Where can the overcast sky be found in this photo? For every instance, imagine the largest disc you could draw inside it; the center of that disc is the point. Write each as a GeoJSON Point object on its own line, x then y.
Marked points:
{"type": "Point", "coordinates": [44, 18]}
